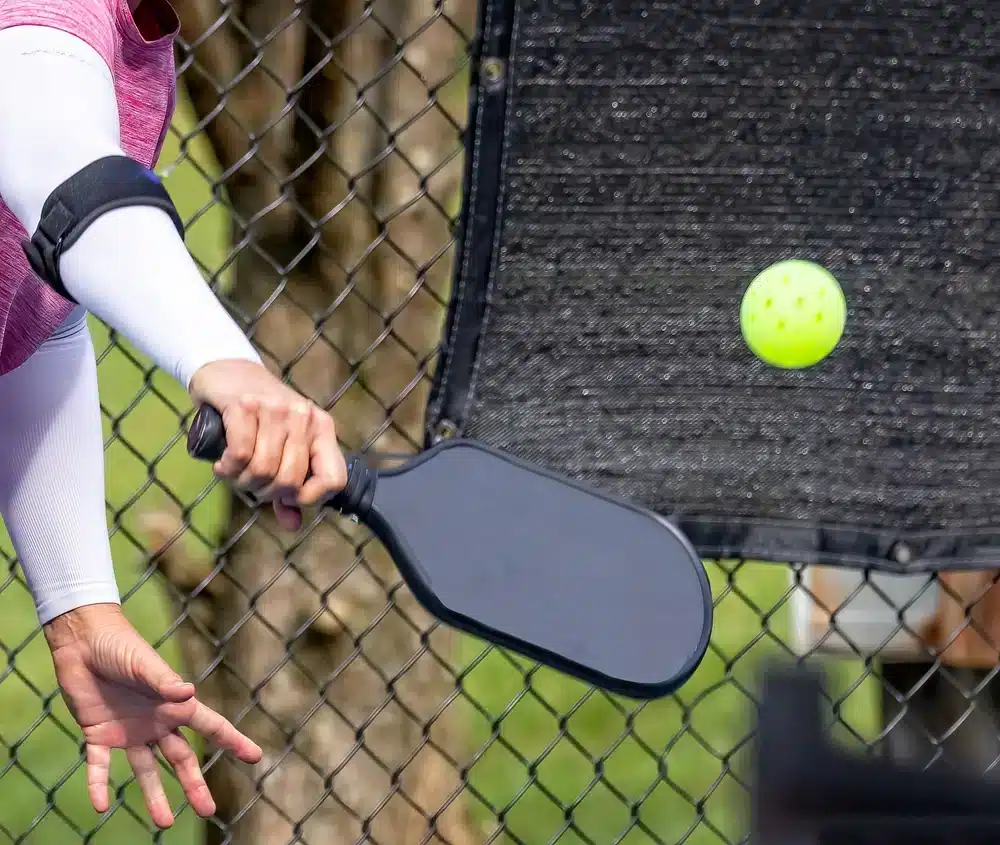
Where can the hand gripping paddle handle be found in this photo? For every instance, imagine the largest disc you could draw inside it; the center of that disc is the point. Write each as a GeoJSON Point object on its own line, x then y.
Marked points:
{"type": "Point", "coordinates": [207, 442]}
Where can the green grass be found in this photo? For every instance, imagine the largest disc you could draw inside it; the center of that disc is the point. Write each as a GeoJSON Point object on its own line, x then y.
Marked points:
{"type": "Point", "coordinates": [656, 762]}
{"type": "Point", "coordinates": [681, 752]}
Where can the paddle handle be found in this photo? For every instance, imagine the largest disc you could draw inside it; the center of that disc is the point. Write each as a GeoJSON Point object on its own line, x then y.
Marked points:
{"type": "Point", "coordinates": [207, 441]}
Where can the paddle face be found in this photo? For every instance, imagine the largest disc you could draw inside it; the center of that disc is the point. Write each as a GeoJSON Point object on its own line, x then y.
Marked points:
{"type": "Point", "coordinates": [589, 585]}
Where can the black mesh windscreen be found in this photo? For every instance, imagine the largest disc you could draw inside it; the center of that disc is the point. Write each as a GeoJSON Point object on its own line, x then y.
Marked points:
{"type": "Point", "coordinates": [656, 157]}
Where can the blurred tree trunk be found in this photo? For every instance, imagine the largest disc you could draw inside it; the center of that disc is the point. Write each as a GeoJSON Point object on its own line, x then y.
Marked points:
{"type": "Point", "coordinates": [341, 162]}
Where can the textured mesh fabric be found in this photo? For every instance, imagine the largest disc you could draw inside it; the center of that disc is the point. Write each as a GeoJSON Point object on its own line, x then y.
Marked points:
{"type": "Point", "coordinates": [658, 156]}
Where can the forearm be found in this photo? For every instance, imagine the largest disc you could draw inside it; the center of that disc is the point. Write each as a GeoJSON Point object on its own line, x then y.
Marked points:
{"type": "Point", "coordinates": [52, 473]}
{"type": "Point", "coordinates": [130, 267]}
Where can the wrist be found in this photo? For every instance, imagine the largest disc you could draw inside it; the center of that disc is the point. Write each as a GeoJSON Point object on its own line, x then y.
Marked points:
{"type": "Point", "coordinates": [76, 625]}
{"type": "Point", "coordinates": [217, 381]}
{"type": "Point", "coordinates": [192, 367]}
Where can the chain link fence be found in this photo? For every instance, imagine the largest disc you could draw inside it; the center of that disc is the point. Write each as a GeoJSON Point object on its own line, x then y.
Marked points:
{"type": "Point", "coordinates": [317, 158]}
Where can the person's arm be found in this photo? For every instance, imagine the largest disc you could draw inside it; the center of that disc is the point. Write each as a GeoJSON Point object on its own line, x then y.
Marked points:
{"type": "Point", "coordinates": [122, 693]}
{"type": "Point", "coordinates": [59, 113]}
{"type": "Point", "coordinates": [52, 473]}
{"type": "Point", "coordinates": [132, 269]}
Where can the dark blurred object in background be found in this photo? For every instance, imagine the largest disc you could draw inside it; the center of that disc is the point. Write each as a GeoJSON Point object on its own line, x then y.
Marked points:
{"type": "Point", "coordinates": [808, 791]}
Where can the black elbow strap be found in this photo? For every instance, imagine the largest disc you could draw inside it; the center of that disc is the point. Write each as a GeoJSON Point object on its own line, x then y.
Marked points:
{"type": "Point", "coordinates": [100, 187]}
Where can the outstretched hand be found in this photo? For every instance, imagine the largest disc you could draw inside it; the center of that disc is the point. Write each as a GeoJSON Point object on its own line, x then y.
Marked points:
{"type": "Point", "coordinates": [124, 695]}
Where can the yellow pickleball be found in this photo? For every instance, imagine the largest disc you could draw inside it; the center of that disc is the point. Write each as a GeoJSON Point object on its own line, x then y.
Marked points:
{"type": "Point", "coordinates": [793, 314]}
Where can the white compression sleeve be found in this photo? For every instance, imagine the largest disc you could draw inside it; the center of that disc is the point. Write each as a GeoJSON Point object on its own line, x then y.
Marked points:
{"type": "Point", "coordinates": [52, 473]}
{"type": "Point", "coordinates": [129, 268]}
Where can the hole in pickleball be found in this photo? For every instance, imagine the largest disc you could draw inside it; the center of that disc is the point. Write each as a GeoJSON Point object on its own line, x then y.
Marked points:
{"type": "Point", "coordinates": [781, 324]}
{"type": "Point", "coordinates": [800, 301]}
{"type": "Point", "coordinates": [767, 303]}
{"type": "Point", "coordinates": [819, 318]}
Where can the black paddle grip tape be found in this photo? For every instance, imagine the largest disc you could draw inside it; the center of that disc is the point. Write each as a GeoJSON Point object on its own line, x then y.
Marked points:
{"type": "Point", "coordinates": [100, 187]}
{"type": "Point", "coordinates": [207, 442]}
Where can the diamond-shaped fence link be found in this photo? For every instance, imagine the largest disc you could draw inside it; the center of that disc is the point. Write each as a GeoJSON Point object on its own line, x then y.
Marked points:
{"type": "Point", "coordinates": [317, 157]}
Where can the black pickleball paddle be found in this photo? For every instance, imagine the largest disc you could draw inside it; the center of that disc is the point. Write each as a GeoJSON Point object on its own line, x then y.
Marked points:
{"type": "Point", "coordinates": [491, 545]}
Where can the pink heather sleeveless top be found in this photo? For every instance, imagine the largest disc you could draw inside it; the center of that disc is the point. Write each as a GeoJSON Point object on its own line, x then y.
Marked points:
{"type": "Point", "coordinates": [139, 51]}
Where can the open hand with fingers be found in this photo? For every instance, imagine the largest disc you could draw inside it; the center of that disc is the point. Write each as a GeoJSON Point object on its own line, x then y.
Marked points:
{"type": "Point", "coordinates": [124, 695]}
{"type": "Point", "coordinates": [281, 448]}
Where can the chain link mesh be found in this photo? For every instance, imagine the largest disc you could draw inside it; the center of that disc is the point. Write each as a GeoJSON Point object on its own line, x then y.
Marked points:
{"type": "Point", "coordinates": [316, 157]}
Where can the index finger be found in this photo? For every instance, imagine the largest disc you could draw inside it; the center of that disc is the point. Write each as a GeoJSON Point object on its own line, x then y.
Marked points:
{"type": "Point", "coordinates": [220, 731]}
{"type": "Point", "coordinates": [329, 469]}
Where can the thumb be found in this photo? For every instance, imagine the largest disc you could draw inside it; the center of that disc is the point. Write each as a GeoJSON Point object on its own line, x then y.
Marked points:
{"type": "Point", "coordinates": [154, 673]}
{"type": "Point", "coordinates": [289, 518]}
{"type": "Point", "coordinates": [124, 656]}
